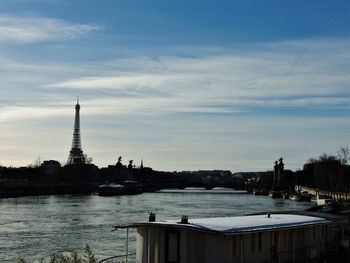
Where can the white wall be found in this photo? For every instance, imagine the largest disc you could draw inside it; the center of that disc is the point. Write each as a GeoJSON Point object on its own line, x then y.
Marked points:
{"type": "Point", "coordinates": [202, 247]}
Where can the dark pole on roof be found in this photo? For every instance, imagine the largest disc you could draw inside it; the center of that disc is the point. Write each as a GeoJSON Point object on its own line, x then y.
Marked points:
{"type": "Point", "coordinates": [127, 245]}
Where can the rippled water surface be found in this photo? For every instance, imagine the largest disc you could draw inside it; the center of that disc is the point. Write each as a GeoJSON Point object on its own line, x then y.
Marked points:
{"type": "Point", "coordinates": [36, 227]}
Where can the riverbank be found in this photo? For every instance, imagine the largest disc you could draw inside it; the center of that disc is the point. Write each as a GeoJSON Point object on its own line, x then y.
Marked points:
{"type": "Point", "coordinates": [339, 196]}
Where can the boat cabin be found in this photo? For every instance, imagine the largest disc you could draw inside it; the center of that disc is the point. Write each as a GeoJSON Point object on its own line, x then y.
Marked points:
{"type": "Point", "coordinates": [271, 237]}
{"type": "Point", "coordinates": [324, 200]}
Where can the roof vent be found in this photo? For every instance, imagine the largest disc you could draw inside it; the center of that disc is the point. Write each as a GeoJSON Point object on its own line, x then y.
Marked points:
{"type": "Point", "coordinates": [152, 217]}
{"type": "Point", "coordinates": [184, 219]}
{"type": "Point", "coordinates": [268, 215]}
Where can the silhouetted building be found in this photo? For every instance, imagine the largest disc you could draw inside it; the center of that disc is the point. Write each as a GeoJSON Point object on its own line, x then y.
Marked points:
{"type": "Point", "coordinates": [50, 167]}
{"type": "Point", "coordinates": [76, 155]}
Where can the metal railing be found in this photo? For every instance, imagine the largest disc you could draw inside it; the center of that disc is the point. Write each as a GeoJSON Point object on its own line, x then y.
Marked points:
{"type": "Point", "coordinates": [120, 259]}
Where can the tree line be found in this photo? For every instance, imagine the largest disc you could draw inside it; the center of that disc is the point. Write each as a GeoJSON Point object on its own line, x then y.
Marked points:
{"type": "Point", "coordinates": [327, 172]}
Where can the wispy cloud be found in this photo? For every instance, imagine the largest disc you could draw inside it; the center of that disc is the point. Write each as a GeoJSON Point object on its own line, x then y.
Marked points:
{"type": "Point", "coordinates": [32, 29]}
{"type": "Point", "coordinates": [222, 82]}
{"type": "Point", "coordinates": [208, 82]}
{"type": "Point", "coordinates": [226, 82]}
{"type": "Point", "coordinates": [17, 113]}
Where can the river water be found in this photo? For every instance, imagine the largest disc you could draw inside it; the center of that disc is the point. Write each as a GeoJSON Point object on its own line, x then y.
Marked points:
{"type": "Point", "coordinates": [37, 227]}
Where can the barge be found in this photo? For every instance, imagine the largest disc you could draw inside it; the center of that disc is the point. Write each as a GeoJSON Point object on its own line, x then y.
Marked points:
{"type": "Point", "coordinates": [305, 236]}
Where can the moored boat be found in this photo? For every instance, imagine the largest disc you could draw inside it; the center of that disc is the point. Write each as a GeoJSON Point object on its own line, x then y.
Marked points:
{"type": "Point", "coordinates": [324, 200]}
{"type": "Point", "coordinates": [305, 196]}
{"type": "Point", "coordinates": [132, 187]}
{"type": "Point", "coordinates": [265, 237]}
{"type": "Point", "coordinates": [294, 197]}
{"type": "Point", "coordinates": [300, 196]}
{"type": "Point", "coordinates": [275, 194]}
{"type": "Point", "coordinates": [110, 189]}
{"type": "Point", "coordinates": [261, 192]}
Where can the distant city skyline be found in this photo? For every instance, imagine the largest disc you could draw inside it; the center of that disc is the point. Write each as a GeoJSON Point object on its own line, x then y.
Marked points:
{"type": "Point", "coordinates": [183, 85]}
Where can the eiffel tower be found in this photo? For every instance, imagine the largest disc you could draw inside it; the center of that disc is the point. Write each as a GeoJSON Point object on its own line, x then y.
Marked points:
{"type": "Point", "coordinates": [76, 155]}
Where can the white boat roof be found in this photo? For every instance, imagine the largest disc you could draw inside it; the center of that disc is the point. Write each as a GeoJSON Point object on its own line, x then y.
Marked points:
{"type": "Point", "coordinates": [255, 222]}
{"type": "Point", "coordinates": [240, 224]}
{"type": "Point", "coordinates": [111, 185]}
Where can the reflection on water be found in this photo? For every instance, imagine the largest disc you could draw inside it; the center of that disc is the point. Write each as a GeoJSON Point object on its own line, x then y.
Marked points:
{"type": "Point", "coordinates": [36, 227]}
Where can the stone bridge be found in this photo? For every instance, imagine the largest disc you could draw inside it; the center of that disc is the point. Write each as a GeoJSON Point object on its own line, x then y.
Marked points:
{"type": "Point", "coordinates": [147, 187]}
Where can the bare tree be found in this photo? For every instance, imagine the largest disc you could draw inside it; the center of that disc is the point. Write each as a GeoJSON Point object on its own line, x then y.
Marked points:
{"type": "Point", "coordinates": [344, 154]}
{"type": "Point", "coordinates": [36, 163]}
{"type": "Point", "coordinates": [88, 159]}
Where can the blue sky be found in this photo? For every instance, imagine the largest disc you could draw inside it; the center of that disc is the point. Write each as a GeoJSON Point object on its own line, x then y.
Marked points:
{"type": "Point", "coordinates": [184, 85]}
